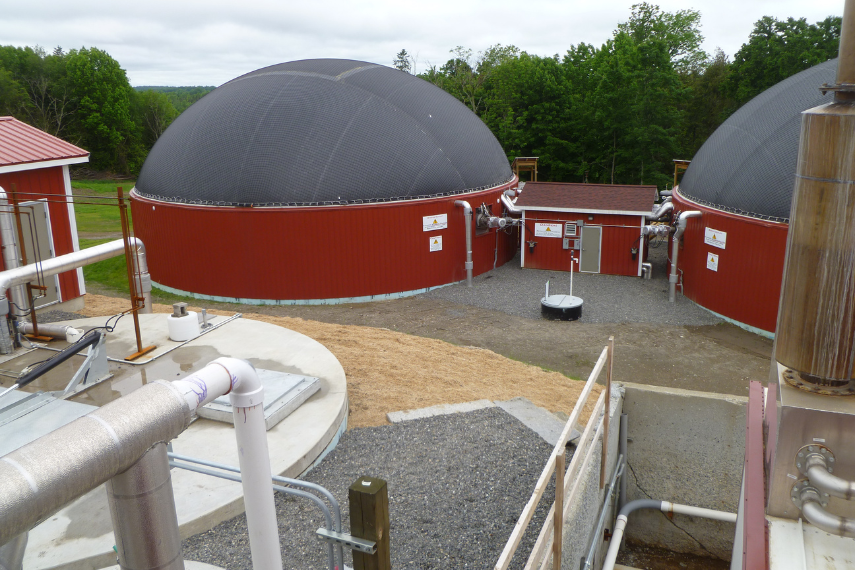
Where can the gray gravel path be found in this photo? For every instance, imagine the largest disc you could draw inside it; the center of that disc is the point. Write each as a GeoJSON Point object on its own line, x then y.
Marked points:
{"type": "Point", "coordinates": [457, 485]}
{"type": "Point", "coordinates": [57, 316]}
{"type": "Point", "coordinates": [607, 298]}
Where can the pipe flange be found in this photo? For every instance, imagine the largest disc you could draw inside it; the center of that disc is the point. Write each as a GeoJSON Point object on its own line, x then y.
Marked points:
{"type": "Point", "coordinates": [803, 487]}
{"type": "Point", "coordinates": [803, 382]}
{"type": "Point", "coordinates": [808, 450]}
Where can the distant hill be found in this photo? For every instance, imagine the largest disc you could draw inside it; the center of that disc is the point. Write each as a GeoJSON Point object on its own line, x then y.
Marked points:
{"type": "Point", "coordinates": [180, 97]}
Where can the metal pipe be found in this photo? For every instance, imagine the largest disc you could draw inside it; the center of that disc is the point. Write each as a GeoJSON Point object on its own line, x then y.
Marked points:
{"type": "Point", "coordinates": [665, 507]}
{"type": "Point", "coordinates": [12, 553]}
{"type": "Point", "coordinates": [681, 227]}
{"type": "Point", "coordinates": [43, 476]}
{"type": "Point", "coordinates": [467, 212]}
{"type": "Point", "coordinates": [595, 539]}
{"type": "Point", "coordinates": [247, 397]}
{"type": "Point", "coordinates": [664, 208]}
{"type": "Point", "coordinates": [73, 260]}
{"type": "Point", "coordinates": [647, 270]}
{"type": "Point", "coordinates": [10, 247]}
{"type": "Point", "coordinates": [622, 449]}
{"type": "Point", "coordinates": [846, 52]}
{"type": "Point", "coordinates": [510, 206]}
{"type": "Point", "coordinates": [336, 508]}
{"type": "Point", "coordinates": [817, 471]}
{"type": "Point", "coordinates": [817, 516]}
{"type": "Point", "coordinates": [142, 508]}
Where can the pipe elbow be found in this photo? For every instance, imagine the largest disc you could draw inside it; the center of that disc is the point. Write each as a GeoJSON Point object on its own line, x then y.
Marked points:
{"type": "Point", "coordinates": [664, 208]}
{"type": "Point", "coordinates": [820, 477]}
{"type": "Point", "coordinates": [816, 515]}
{"type": "Point", "coordinates": [247, 390]}
{"type": "Point", "coordinates": [467, 209]}
{"type": "Point", "coordinates": [682, 222]}
{"type": "Point", "coordinates": [509, 205]}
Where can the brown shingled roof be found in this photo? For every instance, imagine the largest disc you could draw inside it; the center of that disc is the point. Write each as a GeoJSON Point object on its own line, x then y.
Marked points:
{"type": "Point", "coordinates": [21, 143]}
{"type": "Point", "coordinates": [587, 197]}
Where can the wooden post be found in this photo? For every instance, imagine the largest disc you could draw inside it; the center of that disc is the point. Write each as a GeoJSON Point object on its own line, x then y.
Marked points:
{"type": "Point", "coordinates": [607, 411]}
{"type": "Point", "coordinates": [558, 521]}
{"type": "Point", "coordinates": [369, 519]}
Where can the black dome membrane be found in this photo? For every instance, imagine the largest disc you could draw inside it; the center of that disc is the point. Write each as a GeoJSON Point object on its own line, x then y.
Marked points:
{"type": "Point", "coordinates": [322, 131]}
{"type": "Point", "coordinates": [748, 165]}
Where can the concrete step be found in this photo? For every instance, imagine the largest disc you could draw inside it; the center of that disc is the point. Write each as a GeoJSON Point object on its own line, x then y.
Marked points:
{"type": "Point", "coordinates": [538, 419]}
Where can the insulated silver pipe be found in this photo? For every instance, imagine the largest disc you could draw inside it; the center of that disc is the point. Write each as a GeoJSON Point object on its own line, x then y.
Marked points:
{"type": "Point", "coordinates": [43, 476]}
{"type": "Point", "coordinates": [664, 208]}
{"type": "Point", "coordinates": [816, 468]}
{"type": "Point", "coordinates": [55, 265]}
{"type": "Point", "coordinates": [49, 329]}
{"type": "Point", "coordinates": [142, 508]}
{"type": "Point", "coordinates": [467, 212]}
{"type": "Point", "coordinates": [675, 251]}
{"type": "Point", "coordinates": [817, 516]}
{"type": "Point", "coordinates": [510, 206]}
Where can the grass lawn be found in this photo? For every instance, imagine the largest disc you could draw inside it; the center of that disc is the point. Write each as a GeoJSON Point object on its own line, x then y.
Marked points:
{"type": "Point", "coordinates": [96, 218]}
{"type": "Point", "coordinates": [110, 273]}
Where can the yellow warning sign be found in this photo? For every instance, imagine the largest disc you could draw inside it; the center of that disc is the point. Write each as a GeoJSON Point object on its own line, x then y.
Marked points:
{"type": "Point", "coordinates": [433, 223]}
{"type": "Point", "coordinates": [548, 230]}
{"type": "Point", "coordinates": [436, 243]}
{"type": "Point", "coordinates": [712, 261]}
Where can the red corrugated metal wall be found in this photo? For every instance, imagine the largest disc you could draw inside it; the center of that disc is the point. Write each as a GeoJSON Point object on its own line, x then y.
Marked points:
{"type": "Point", "coordinates": [747, 284]}
{"type": "Point", "coordinates": [313, 252]}
{"type": "Point", "coordinates": [619, 235]}
{"type": "Point", "coordinates": [48, 181]}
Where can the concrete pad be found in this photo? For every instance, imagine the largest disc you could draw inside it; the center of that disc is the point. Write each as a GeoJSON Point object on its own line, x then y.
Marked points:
{"type": "Point", "coordinates": [81, 534]}
{"type": "Point", "coordinates": [193, 565]}
{"type": "Point", "coordinates": [540, 420]}
{"type": "Point", "coordinates": [438, 410]}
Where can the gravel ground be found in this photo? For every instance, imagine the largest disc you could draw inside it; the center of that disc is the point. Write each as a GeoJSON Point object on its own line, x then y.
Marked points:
{"type": "Point", "coordinates": [457, 485]}
{"type": "Point", "coordinates": [56, 316]}
{"type": "Point", "coordinates": [607, 298]}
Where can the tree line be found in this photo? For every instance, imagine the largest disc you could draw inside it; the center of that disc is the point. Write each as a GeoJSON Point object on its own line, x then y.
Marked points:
{"type": "Point", "coordinates": [83, 96]}
{"type": "Point", "coordinates": [621, 112]}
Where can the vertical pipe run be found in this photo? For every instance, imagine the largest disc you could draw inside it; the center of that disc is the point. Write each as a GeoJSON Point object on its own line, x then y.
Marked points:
{"type": "Point", "coordinates": [467, 212]}
{"type": "Point", "coordinates": [623, 451]}
{"type": "Point", "coordinates": [247, 400]}
{"type": "Point", "coordinates": [142, 507]}
{"type": "Point", "coordinates": [675, 251]}
{"type": "Point", "coordinates": [846, 52]}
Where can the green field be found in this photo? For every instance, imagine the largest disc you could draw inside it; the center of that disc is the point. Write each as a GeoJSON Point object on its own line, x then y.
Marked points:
{"type": "Point", "coordinates": [97, 219]}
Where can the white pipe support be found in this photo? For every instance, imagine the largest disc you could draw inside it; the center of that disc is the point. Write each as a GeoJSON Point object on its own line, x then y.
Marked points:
{"type": "Point", "coordinates": [675, 251]}
{"type": "Point", "coordinates": [817, 471]}
{"type": "Point", "coordinates": [817, 516]}
{"type": "Point", "coordinates": [467, 212]}
{"type": "Point", "coordinates": [247, 398]}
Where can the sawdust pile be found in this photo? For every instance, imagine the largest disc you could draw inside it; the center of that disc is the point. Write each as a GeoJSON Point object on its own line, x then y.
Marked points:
{"type": "Point", "coordinates": [389, 371]}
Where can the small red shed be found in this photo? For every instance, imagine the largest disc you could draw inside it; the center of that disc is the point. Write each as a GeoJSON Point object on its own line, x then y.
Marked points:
{"type": "Point", "coordinates": [37, 164]}
{"type": "Point", "coordinates": [600, 223]}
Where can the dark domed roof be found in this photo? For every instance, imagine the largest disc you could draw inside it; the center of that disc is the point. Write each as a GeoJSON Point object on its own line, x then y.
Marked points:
{"type": "Point", "coordinates": [322, 131]}
{"type": "Point", "coordinates": [748, 165]}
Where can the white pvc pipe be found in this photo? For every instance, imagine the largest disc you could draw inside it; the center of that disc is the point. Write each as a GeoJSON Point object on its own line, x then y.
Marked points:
{"type": "Point", "coordinates": [665, 507]}
{"type": "Point", "coordinates": [467, 213]}
{"type": "Point", "coordinates": [239, 379]}
{"type": "Point", "coordinates": [247, 398]}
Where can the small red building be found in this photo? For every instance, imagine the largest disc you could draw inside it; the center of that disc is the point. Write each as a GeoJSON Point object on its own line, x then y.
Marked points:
{"type": "Point", "coordinates": [36, 163]}
{"type": "Point", "coordinates": [599, 223]}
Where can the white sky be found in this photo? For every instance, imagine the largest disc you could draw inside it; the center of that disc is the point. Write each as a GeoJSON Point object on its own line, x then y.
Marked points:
{"type": "Point", "coordinates": [195, 42]}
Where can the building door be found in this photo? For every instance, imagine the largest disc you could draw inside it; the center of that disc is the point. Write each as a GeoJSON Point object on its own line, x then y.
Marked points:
{"type": "Point", "coordinates": [38, 245]}
{"type": "Point", "coordinates": [591, 237]}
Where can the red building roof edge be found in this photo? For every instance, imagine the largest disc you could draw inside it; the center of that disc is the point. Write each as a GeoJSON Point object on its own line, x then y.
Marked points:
{"type": "Point", "coordinates": [21, 143]}
{"type": "Point", "coordinates": [587, 197]}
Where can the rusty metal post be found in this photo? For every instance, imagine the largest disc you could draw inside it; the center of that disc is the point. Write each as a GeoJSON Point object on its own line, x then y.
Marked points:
{"type": "Point", "coordinates": [132, 284]}
{"type": "Point", "coordinates": [369, 519]}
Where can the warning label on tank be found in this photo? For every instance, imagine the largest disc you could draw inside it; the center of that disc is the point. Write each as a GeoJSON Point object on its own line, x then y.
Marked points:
{"type": "Point", "coordinates": [715, 238]}
{"type": "Point", "coordinates": [436, 243]}
{"type": "Point", "coordinates": [431, 223]}
{"type": "Point", "coordinates": [712, 261]}
{"type": "Point", "coordinates": [549, 230]}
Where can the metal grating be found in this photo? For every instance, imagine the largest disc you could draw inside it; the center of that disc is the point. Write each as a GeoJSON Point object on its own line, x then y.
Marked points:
{"type": "Point", "coordinates": [323, 132]}
{"type": "Point", "coordinates": [748, 165]}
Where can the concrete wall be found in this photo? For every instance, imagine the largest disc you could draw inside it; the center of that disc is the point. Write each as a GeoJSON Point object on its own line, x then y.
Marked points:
{"type": "Point", "coordinates": [685, 447]}
{"type": "Point", "coordinates": [585, 509]}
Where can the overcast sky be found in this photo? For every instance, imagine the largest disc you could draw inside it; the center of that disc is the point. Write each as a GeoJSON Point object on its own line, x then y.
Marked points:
{"type": "Point", "coordinates": [195, 42]}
